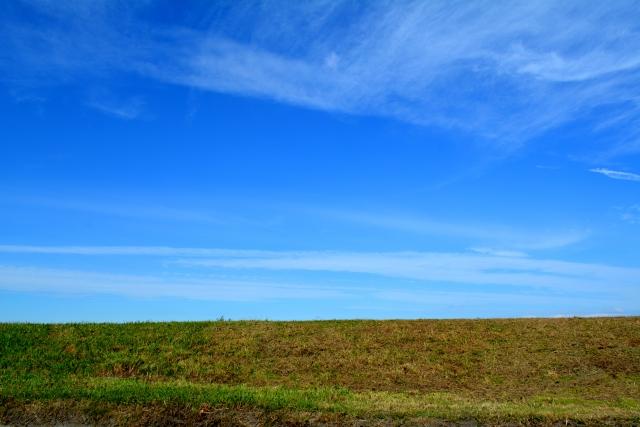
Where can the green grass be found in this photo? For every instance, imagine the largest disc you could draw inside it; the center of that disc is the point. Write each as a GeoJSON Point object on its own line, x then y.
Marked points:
{"type": "Point", "coordinates": [526, 370]}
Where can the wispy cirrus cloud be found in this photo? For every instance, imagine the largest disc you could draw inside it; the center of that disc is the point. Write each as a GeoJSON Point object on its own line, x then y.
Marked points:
{"type": "Point", "coordinates": [468, 233]}
{"type": "Point", "coordinates": [159, 251]}
{"type": "Point", "coordinates": [81, 282]}
{"type": "Point", "coordinates": [427, 268]}
{"type": "Point", "coordinates": [128, 109]}
{"type": "Point", "coordinates": [499, 252]}
{"type": "Point", "coordinates": [483, 234]}
{"type": "Point", "coordinates": [375, 301]}
{"type": "Point", "coordinates": [506, 73]}
{"type": "Point", "coordinates": [631, 214]}
{"type": "Point", "coordinates": [614, 174]}
{"type": "Point", "coordinates": [443, 267]}
{"type": "Point", "coordinates": [126, 208]}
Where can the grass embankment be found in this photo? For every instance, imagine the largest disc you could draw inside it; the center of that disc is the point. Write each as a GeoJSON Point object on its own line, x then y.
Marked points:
{"type": "Point", "coordinates": [527, 371]}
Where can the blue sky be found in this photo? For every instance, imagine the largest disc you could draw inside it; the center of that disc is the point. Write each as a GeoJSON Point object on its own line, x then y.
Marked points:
{"type": "Point", "coordinates": [328, 159]}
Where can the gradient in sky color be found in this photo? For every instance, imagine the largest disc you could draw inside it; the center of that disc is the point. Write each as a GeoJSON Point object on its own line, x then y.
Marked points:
{"type": "Point", "coordinates": [327, 159]}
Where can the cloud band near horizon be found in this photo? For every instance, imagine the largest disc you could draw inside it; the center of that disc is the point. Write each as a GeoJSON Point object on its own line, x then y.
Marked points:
{"type": "Point", "coordinates": [440, 268]}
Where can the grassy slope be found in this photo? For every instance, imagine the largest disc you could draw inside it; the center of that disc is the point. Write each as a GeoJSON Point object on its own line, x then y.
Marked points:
{"type": "Point", "coordinates": [492, 370]}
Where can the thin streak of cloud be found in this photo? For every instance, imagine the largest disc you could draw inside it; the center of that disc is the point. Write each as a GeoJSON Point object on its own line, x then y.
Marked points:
{"type": "Point", "coordinates": [476, 234]}
{"type": "Point", "coordinates": [485, 233]}
{"type": "Point", "coordinates": [158, 251]}
{"type": "Point", "coordinates": [429, 267]}
{"type": "Point", "coordinates": [453, 282]}
{"type": "Point", "coordinates": [442, 267]}
{"type": "Point", "coordinates": [625, 176]}
{"type": "Point", "coordinates": [426, 301]}
{"type": "Point", "coordinates": [130, 109]}
{"type": "Point", "coordinates": [36, 279]}
{"type": "Point", "coordinates": [126, 209]}
{"type": "Point", "coordinates": [501, 300]}
{"type": "Point", "coordinates": [631, 214]}
{"type": "Point", "coordinates": [499, 252]}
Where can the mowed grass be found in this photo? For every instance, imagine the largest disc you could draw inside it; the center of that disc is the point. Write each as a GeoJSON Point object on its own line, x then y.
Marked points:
{"type": "Point", "coordinates": [513, 370]}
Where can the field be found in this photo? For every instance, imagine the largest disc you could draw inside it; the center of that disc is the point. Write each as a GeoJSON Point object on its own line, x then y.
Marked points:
{"type": "Point", "coordinates": [440, 372]}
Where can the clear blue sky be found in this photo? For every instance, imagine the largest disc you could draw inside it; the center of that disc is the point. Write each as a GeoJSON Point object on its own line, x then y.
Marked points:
{"type": "Point", "coordinates": [324, 159]}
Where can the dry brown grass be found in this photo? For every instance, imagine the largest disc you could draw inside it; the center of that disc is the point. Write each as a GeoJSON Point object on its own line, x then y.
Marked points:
{"type": "Point", "coordinates": [506, 360]}
{"type": "Point", "coordinates": [597, 357]}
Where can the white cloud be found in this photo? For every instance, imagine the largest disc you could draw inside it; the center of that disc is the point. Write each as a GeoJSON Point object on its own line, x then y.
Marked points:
{"type": "Point", "coordinates": [129, 109]}
{"type": "Point", "coordinates": [331, 61]}
{"type": "Point", "coordinates": [428, 267]}
{"type": "Point", "coordinates": [127, 208]}
{"type": "Point", "coordinates": [631, 214]}
{"type": "Point", "coordinates": [471, 234]}
{"type": "Point", "coordinates": [36, 279]}
{"type": "Point", "coordinates": [625, 176]}
{"type": "Point", "coordinates": [421, 301]}
{"type": "Point", "coordinates": [501, 302]}
{"type": "Point", "coordinates": [160, 251]}
{"type": "Point", "coordinates": [502, 72]}
{"type": "Point", "coordinates": [499, 252]}
{"type": "Point", "coordinates": [484, 233]}
{"type": "Point", "coordinates": [442, 267]}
